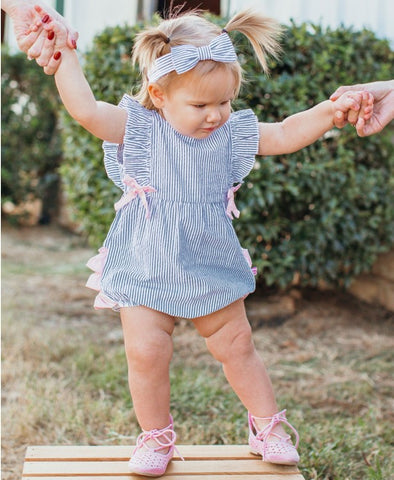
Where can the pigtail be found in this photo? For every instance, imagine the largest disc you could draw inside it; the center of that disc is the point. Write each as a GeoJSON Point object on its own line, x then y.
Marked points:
{"type": "Point", "coordinates": [263, 33]}
{"type": "Point", "coordinates": [149, 45]}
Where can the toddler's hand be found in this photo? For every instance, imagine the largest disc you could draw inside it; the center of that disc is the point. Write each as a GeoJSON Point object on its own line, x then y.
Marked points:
{"type": "Point", "coordinates": [348, 102]}
{"type": "Point", "coordinates": [359, 117]}
{"type": "Point", "coordinates": [366, 109]}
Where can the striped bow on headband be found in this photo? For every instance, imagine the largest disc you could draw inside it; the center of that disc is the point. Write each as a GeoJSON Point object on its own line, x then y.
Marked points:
{"type": "Point", "coordinates": [183, 58]}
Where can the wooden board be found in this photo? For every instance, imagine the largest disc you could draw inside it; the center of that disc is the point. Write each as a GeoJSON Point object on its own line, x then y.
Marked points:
{"type": "Point", "coordinates": [202, 462]}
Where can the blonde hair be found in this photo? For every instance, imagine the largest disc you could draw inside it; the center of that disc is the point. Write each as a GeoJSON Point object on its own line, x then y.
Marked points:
{"type": "Point", "coordinates": [191, 28]}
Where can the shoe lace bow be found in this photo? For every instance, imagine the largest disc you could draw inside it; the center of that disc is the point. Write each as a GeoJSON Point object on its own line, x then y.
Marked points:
{"type": "Point", "coordinates": [157, 435]}
{"type": "Point", "coordinates": [280, 417]}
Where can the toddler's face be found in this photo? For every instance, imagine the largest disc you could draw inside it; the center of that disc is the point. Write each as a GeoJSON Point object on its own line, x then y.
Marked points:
{"type": "Point", "coordinates": [198, 105]}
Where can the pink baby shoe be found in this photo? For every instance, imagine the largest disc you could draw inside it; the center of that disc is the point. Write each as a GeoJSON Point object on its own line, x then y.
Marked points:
{"type": "Point", "coordinates": [279, 449]}
{"type": "Point", "coordinates": [152, 461]}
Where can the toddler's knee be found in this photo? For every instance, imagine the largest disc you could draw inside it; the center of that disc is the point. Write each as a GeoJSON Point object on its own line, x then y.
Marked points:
{"type": "Point", "coordinates": [149, 351]}
{"type": "Point", "coordinates": [238, 344]}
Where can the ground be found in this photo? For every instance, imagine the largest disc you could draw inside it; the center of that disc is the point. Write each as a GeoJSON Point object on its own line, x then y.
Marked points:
{"type": "Point", "coordinates": [64, 373]}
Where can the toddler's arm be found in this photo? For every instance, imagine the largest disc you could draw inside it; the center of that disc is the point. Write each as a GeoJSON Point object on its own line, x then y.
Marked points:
{"type": "Point", "coordinates": [304, 128]}
{"type": "Point", "coordinates": [102, 119]}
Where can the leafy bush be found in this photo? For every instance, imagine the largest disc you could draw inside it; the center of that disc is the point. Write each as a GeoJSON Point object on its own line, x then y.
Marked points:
{"type": "Point", "coordinates": [325, 212]}
{"type": "Point", "coordinates": [321, 214]}
{"type": "Point", "coordinates": [31, 144]}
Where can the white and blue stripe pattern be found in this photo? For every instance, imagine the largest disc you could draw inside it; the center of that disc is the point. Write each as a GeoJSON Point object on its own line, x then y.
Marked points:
{"type": "Point", "coordinates": [185, 260]}
{"type": "Point", "coordinates": [183, 58]}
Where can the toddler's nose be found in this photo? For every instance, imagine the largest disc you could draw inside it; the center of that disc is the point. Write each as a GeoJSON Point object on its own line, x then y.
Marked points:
{"type": "Point", "coordinates": [213, 116]}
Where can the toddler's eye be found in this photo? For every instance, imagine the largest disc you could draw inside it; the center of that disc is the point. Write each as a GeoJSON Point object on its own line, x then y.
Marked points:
{"type": "Point", "coordinates": [199, 106]}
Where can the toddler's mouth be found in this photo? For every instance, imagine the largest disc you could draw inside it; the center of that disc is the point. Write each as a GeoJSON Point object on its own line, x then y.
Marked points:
{"type": "Point", "coordinates": [209, 129]}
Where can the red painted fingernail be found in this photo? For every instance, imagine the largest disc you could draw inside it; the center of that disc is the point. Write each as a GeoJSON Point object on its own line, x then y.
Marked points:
{"type": "Point", "coordinates": [57, 55]}
{"type": "Point", "coordinates": [51, 34]}
{"type": "Point", "coordinates": [45, 19]}
{"type": "Point", "coordinates": [74, 43]}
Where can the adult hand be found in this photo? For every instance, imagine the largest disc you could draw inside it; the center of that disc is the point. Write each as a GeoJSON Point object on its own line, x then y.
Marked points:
{"type": "Point", "coordinates": [383, 110]}
{"type": "Point", "coordinates": [30, 39]}
{"type": "Point", "coordinates": [46, 49]}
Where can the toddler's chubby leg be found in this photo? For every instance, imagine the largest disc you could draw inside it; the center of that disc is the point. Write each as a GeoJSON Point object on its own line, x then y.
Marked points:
{"type": "Point", "coordinates": [148, 344]}
{"type": "Point", "coordinates": [229, 338]}
{"type": "Point", "coordinates": [149, 348]}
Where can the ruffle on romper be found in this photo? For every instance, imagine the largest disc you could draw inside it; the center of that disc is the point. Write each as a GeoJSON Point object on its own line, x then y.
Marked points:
{"type": "Point", "coordinates": [131, 159]}
{"type": "Point", "coordinates": [246, 254]}
{"type": "Point", "coordinates": [245, 143]}
{"type": "Point", "coordinates": [232, 211]}
{"type": "Point", "coordinates": [244, 126]}
{"type": "Point", "coordinates": [96, 264]}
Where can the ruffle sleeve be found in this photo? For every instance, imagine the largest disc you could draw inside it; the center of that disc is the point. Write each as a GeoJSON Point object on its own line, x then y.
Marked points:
{"type": "Point", "coordinates": [245, 143]}
{"type": "Point", "coordinates": [113, 162]}
{"type": "Point", "coordinates": [132, 157]}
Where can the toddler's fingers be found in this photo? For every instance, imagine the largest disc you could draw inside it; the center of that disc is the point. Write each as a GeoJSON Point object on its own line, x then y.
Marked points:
{"type": "Point", "coordinates": [340, 119]}
{"type": "Point", "coordinates": [366, 108]}
{"type": "Point", "coordinates": [352, 103]}
{"type": "Point", "coordinates": [33, 27]}
{"type": "Point", "coordinates": [364, 104]}
{"type": "Point", "coordinates": [26, 41]}
{"type": "Point", "coordinates": [348, 102]}
{"type": "Point", "coordinates": [59, 30]}
{"type": "Point", "coordinates": [38, 22]}
{"type": "Point", "coordinates": [352, 116]}
{"type": "Point", "coordinates": [360, 125]}
{"type": "Point", "coordinates": [367, 105]}
{"type": "Point", "coordinates": [35, 50]}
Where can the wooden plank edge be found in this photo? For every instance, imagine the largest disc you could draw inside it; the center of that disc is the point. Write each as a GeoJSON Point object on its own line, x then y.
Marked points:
{"type": "Point", "coordinates": [122, 453]}
{"type": "Point", "coordinates": [89, 454]}
{"type": "Point", "coordinates": [193, 467]}
{"type": "Point", "coordinates": [173, 477]}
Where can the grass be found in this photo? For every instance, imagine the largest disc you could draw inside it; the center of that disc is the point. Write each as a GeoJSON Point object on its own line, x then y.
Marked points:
{"type": "Point", "coordinates": [65, 377]}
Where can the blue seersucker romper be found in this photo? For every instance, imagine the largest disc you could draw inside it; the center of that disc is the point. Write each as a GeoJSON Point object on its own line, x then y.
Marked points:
{"type": "Point", "coordinates": [172, 246]}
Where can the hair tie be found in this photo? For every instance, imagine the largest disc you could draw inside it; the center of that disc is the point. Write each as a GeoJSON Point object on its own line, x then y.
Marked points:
{"type": "Point", "coordinates": [167, 40]}
{"type": "Point", "coordinates": [224, 31]}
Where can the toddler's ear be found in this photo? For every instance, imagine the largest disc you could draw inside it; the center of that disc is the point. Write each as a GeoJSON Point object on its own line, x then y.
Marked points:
{"type": "Point", "coordinates": [156, 94]}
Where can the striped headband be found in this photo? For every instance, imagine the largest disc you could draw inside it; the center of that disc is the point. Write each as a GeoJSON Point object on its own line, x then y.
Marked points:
{"type": "Point", "coordinates": [183, 58]}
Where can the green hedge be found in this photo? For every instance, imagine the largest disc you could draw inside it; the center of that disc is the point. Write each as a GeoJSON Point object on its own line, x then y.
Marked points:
{"type": "Point", "coordinates": [322, 214]}
{"type": "Point", "coordinates": [31, 145]}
